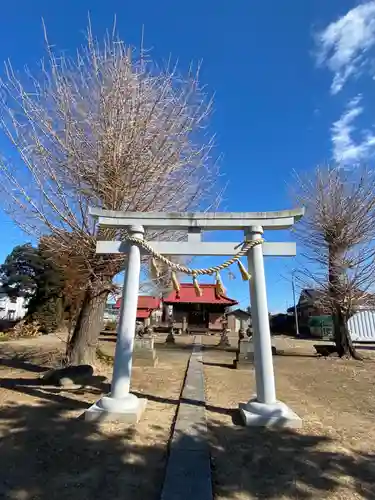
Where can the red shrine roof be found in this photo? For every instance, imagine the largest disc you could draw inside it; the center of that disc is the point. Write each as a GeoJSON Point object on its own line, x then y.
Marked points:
{"type": "Point", "coordinates": [187, 294]}
{"type": "Point", "coordinates": [143, 313]}
{"type": "Point", "coordinates": [145, 302]}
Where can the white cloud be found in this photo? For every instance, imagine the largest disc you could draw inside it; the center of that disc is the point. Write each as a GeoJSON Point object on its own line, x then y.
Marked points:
{"type": "Point", "coordinates": [344, 44]}
{"type": "Point", "coordinates": [345, 149]}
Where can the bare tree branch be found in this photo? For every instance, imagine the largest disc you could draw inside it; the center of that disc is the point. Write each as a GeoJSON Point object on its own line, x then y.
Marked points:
{"type": "Point", "coordinates": [337, 234]}
{"type": "Point", "coordinates": [107, 128]}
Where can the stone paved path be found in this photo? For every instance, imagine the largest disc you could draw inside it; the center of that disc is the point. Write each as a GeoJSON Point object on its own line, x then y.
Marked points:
{"type": "Point", "coordinates": [188, 474]}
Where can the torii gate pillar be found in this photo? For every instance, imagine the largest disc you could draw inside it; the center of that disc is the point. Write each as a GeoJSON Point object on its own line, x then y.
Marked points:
{"type": "Point", "coordinates": [121, 404]}
{"type": "Point", "coordinates": [263, 409]}
{"type": "Point", "coordinates": [265, 379]}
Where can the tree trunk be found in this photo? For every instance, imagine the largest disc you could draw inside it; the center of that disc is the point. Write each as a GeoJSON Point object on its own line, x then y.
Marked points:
{"type": "Point", "coordinates": [81, 348]}
{"type": "Point", "coordinates": [343, 341]}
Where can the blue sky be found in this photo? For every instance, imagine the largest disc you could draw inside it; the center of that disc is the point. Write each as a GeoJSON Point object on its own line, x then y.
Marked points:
{"type": "Point", "coordinates": [293, 83]}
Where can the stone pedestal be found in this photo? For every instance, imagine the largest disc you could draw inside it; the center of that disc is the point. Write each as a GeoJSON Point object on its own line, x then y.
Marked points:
{"type": "Point", "coordinates": [241, 334]}
{"type": "Point", "coordinates": [244, 354]}
{"type": "Point", "coordinates": [127, 410]}
{"type": "Point", "coordinates": [224, 338]}
{"type": "Point", "coordinates": [170, 338]}
{"type": "Point", "coordinates": [184, 325]}
{"type": "Point", "coordinates": [144, 353]}
{"type": "Point", "coordinates": [275, 414]}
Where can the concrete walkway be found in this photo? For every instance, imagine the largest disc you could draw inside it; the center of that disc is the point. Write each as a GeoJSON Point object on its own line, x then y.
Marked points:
{"type": "Point", "coordinates": [188, 474]}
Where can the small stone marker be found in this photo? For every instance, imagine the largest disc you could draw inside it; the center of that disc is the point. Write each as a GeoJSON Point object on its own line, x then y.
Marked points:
{"type": "Point", "coordinates": [244, 354]}
{"type": "Point", "coordinates": [170, 338]}
{"type": "Point", "coordinates": [144, 353]}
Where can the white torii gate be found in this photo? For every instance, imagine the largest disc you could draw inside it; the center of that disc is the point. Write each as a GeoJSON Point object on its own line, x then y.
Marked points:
{"type": "Point", "coordinates": [264, 408]}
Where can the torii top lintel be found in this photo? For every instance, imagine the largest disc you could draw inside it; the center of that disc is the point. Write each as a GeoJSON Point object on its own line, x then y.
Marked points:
{"type": "Point", "coordinates": [203, 220]}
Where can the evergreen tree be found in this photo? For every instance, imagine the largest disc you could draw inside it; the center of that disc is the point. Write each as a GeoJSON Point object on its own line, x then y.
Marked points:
{"type": "Point", "coordinates": [19, 272]}
{"type": "Point", "coordinates": [29, 272]}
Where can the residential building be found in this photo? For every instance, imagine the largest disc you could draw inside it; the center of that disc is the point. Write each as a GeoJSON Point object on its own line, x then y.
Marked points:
{"type": "Point", "coordinates": [110, 312]}
{"type": "Point", "coordinates": [283, 323]}
{"type": "Point", "coordinates": [313, 318]}
{"type": "Point", "coordinates": [238, 319]}
{"type": "Point", "coordinates": [12, 308]}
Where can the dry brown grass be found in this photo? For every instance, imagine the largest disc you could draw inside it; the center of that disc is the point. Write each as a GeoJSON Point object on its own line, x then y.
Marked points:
{"type": "Point", "coordinates": [332, 457]}
{"type": "Point", "coordinates": [47, 453]}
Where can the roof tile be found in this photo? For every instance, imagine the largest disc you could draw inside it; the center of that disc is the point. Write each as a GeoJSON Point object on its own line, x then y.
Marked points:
{"type": "Point", "coordinates": [187, 295]}
{"type": "Point", "coordinates": [144, 302]}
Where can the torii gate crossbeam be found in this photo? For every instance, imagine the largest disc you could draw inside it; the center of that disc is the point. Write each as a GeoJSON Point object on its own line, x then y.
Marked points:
{"type": "Point", "coordinates": [264, 409]}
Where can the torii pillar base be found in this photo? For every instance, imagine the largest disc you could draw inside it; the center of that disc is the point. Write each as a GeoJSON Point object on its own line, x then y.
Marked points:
{"type": "Point", "coordinates": [276, 415]}
{"type": "Point", "coordinates": [128, 410]}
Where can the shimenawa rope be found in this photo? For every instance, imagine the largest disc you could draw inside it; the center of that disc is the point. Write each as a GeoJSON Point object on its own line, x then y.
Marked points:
{"type": "Point", "coordinates": [196, 272]}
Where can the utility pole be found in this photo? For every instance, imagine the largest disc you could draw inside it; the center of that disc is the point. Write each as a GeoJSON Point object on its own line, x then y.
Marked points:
{"type": "Point", "coordinates": [295, 305]}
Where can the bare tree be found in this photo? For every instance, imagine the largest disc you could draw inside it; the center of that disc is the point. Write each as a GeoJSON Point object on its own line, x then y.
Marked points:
{"type": "Point", "coordinates": [158, 285]}
{"type": "Point", "coordinates": [337, 234]}
{"type": "Point", "coordinates": [159, 281]}
{"type": "Point", "coordinates": [102, 128]}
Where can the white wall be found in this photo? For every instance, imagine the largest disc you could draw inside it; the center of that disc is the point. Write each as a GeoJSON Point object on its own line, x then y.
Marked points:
{"type": "Point", "coordinates": [362, 326]}
{"type": "Point", "coordinates": [12, 308]}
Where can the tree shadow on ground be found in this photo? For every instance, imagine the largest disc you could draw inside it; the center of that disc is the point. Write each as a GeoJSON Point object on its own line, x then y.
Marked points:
{"type": "Point", "coordinates": [29, 359]}
{"type": "Point", "coordinates": [46, 452]}
{"type": "Point", "coordinates": [172, 347]}
{"type": "Point", "coordinates": [25, 359]}
{"type": "Point", "coordinates": [35, 386]}
{"type": "Point", "coordinates": [365, 347]}
{"type": "Point", "coordinates": [276, 463]}
{"type": "Point", "coordinates": [284, 463]}
{"type": "Point", "coordinates": [108, 339]}
{"type": "Point", "coordinates": [295, 354]}
{"type": "Point", "coordinates": [187, 347]}
{"type": "Point", "coordinates": [21, 363]}
{"type": "Point", "coordinates": [230, 366]}
{"type": "Point", "coordinates": [232, 412]}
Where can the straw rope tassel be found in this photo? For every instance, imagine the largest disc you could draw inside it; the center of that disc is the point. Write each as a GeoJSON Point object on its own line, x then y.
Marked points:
{"type": "Point", "coordinates": [244, 272]}
{"type": "Point", "coordinates": [175, 283]}
{"type": "Point", "coordinates": [198, 291]}
{"type": "Point", "coordinates": [155, 271]}
{"type": "Point", "coordinates": [219, 287]}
